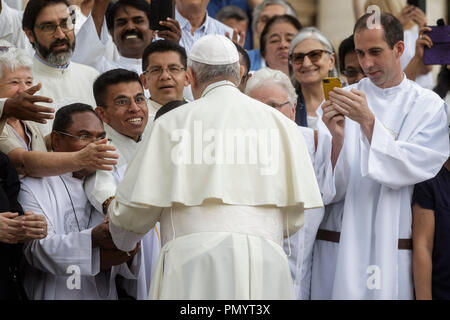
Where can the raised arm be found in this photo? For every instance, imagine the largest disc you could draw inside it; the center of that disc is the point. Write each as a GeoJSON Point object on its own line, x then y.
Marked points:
{"type": "Point", "coordinates": [96, 156]}
{"type": "Point", "coordinates": [98, 14]}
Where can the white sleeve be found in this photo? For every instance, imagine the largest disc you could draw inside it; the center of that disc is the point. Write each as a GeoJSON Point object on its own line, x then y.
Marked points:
{"type": "Point", "coordinates": [129, 224]}
{"type": "Point", "coordinates": [57, 252]}
{"type": "Point", "coordinates": [395, 163]}
{"type": "Point", "coordinates": [98, 187]}
{"type": "Point", "coordinates": [11, 28]}
{"type": "Point", "coordinates": [322, 164]}
{"type": "Point", "coordinates": [90, 49]}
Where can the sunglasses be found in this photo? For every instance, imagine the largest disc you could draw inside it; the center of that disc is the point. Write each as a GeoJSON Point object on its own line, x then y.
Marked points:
{"type": "Point", "coordinates": [313, 56]}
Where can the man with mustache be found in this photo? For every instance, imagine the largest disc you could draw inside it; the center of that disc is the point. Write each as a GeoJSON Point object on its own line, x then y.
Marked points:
{"type": "Point", "coordinates": [127, 22]}
{"type": "Point", "coordinates": [49, 28]}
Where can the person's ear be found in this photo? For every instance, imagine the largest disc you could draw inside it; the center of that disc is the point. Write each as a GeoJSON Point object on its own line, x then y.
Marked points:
{"type": "Point", "coordinates": [187, 80]}
{"type": "Point", "coordinates": [55, 140]}
{"type": "Point", "coordinates": [144, 81]}
{"type": "Point", "coordinates": [30, 35]}
{"type": "Point", "coordinates": [332, 61]}
{"type": "Point", "coordinates": [399, 48]}
{"type": "Point", "coordinates": [190, 74]}
{"type": "Point", "coordinates": [102, 113]}
{"type": "Point", "coordinates": [241, 71]}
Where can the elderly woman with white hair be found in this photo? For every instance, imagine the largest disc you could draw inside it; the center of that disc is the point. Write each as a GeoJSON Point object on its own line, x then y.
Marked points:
{"type": "Point", "coordinates": [312, 58]}
{"type": "Point", "coordinates": [22, 141]}
{"type": "Point", "coordinates": [16, 77]}
{"type": "Point", "coordinates": [275, 89]}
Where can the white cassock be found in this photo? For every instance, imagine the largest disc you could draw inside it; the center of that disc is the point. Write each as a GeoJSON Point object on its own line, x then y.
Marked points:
{"type": "Point", "coordinates": [102, 185]}
{"type": "Point", "coordinates": [374, 184]}
{"type": "Point", "coordinates": [54, 263]}
{"type": "Point", "coordinates": [223, 212]}
{"type": "Point", "coordinates": [65, 86]}
{"type": "Point", "coordinates": [299, 247]}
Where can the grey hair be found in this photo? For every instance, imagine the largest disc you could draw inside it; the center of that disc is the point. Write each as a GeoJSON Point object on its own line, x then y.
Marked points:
{"type": "Point", "coordinates": [260, 7]}
{"type": "Point", "coordinates": [206, 73]}
{"type": "Point", "coordinates": [269, 77]}
{"type": "Point", "coordinates": [231, 12]}
{"type": "Point", "coordinates": [14, 59]}
{"type": "Point", "coordinates": [316, 34]}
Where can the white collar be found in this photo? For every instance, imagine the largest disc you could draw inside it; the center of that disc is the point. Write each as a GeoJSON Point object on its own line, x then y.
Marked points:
{"type": "Point", "coordinates": [216, 85]}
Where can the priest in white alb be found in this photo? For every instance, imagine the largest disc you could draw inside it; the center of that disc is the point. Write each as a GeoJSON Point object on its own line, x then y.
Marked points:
{"type": "Point", "coordinates": [227, 177]}
{"type": "Point", "coordinates": [395, 136]}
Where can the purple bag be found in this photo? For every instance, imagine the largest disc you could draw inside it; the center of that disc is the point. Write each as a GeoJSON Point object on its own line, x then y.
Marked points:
{"type": "Point", "coordinates": [440, 52]}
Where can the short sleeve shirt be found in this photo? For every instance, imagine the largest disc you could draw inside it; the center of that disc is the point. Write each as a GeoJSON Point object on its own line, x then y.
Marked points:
{"type": "Point", "coordinates": [434, 195]}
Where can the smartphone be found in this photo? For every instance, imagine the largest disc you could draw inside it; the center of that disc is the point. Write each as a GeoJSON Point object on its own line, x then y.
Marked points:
{"type": "Point", "coordinates": [329, 84]}
{"type": "Point", "coordinates": [439, 53]}
{"type": "Point", "coordinates": [159, 11]}
{"type": "Point", "coordinates": [422, 4]}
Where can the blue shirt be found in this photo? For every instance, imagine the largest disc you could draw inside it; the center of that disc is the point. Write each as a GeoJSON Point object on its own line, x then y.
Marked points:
{"type": "Point", "coordinates": [210, 26]}
{"type": "Point", "coordinates": [215, 5]}
{"type": "Point", "coordinates": [434, 195]}
{"type": "Point", "coordinates": [256, 61]}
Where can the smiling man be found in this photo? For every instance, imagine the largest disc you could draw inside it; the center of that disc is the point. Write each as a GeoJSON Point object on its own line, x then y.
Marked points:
{"type": "Point", "coordinates": [396, 135]}
{"type": "Point", "coordinates": [127, 22]}
{"type": "Point", "coordinates": [122, 106]}
{"type": "Point", "coordinates": [164, 63]}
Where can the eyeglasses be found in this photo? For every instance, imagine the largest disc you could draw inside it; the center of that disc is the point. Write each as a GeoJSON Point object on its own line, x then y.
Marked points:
{"type": "Point", "coordinates": [158, 71]}
{"type": "Point", "coordinates": [352, 73]}
{"type": "Point", "coordinates": [50, 28]}
{"type": "Point", "coordinates": [126, 102]}
{"type": "Point", "coordinates": [278, 105]}
{"type": "Point", "coordinates": [84, 137]}
{"type": "Point", "coordinates": [314, 56]}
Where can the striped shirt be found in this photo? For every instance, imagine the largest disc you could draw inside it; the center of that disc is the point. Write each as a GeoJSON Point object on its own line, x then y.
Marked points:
{"type": "Point", "coordinates": [210, 26]}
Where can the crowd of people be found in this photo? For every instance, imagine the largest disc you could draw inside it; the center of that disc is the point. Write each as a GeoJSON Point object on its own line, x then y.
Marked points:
{"type": "Point", "coordinates": [189, 163]}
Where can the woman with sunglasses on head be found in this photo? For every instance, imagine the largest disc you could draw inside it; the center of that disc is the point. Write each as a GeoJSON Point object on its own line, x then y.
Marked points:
{"type": "Point", "coordinates": [276, 39]}
{"type": "Point", "coordinates": [312, 58]}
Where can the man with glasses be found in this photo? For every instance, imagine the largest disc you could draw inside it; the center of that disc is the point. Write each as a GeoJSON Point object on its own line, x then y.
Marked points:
{"type": "Point", "coordinates": [348, 61]}
{"type": "Point", "coordinates": [122, 106]}
{"type": "Point", "coordinates": [50, 30]}
{"type": "Point", "coordinates": [77, 260]}
{"type": "Point", "coordinates": [164, 63]}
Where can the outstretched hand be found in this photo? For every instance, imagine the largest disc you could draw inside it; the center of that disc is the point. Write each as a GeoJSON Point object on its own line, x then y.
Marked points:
{"type": "Point", "coordinates": [23, 106]}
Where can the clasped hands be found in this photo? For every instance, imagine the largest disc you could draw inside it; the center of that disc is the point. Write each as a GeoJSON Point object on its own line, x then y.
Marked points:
{"type": "Point", "coordinates": [109, 254]}
{"type": "Point", "coordinates": [15, 228]}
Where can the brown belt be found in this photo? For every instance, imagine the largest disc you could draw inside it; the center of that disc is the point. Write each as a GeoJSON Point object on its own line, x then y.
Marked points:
{"type": "Point", "coordinates": [333, 236]}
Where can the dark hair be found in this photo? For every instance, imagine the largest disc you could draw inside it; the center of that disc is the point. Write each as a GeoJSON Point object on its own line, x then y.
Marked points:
{"type": "Point", "coordinates": [245, 57]}
{"type": "Point", "coordinates": [163, 46]}
{"type": "Point", "coordinates": [393, 29]}
{"type": "Point", "coordinates": [111, 78]}
{"type": "Point", "coordinates": [169, 106]}
{"type": "Point", "coordinates": [231, 12]}
{"type": "Point", "coordinates": [443, 82]}
{"type": "Point", "coordinates": [63, 117]}
{"type": "Point", "coordinates": [272, 21]}
{"type": "Point", "coordinates": [346, 46]}
{"type": "Point", "coordinates": [110, 14]}
{"type": "Point", "coordinates": [33, 8]}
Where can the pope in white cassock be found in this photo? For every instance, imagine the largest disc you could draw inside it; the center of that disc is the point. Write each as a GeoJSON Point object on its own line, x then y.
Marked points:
{"type": "Point", "coordinates": [395, 136]}
{"type": "Point", "coordinates": [227, 177]}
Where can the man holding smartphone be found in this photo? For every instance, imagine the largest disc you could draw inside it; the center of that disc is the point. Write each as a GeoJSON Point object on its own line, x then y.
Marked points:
{"type": "Point", "coordinates": [395, 136]}
{"type": "Point", "coordinates": [128, 23]}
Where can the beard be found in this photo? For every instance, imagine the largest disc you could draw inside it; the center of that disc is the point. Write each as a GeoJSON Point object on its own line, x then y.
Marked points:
{"type": "Point", "coordinates": [56, 57]}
